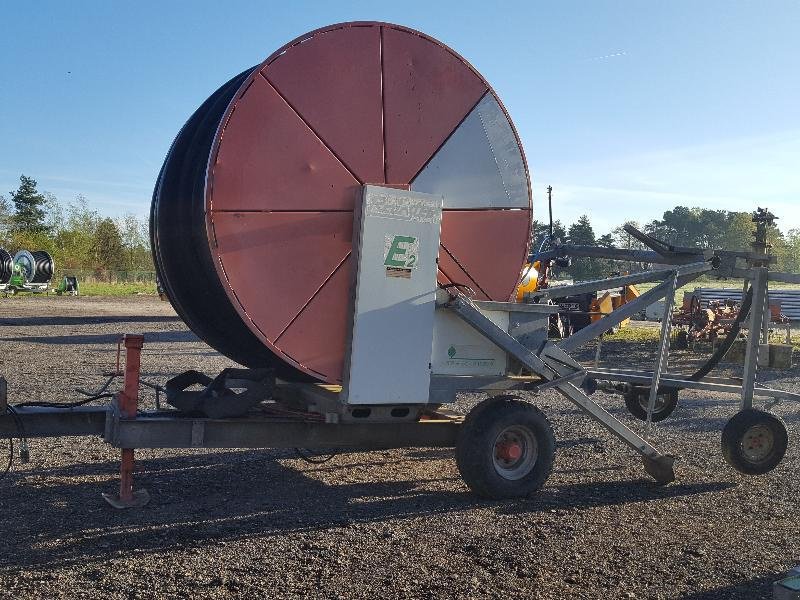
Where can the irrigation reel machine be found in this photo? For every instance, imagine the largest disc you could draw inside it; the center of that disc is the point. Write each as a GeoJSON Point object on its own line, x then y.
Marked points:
{"type": "Point", "coordinates": [25, 271]}
{"type": "Point", "coordinates": [348, 220]}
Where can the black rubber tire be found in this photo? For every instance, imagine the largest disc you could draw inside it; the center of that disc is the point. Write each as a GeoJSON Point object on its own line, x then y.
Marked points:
{"type": "Point", "coordinates": [476, 446]}
{"type": "Point", "coordinates": [733, 438]}
{"type": "Point", "coordinates": [681, 341]}
{"type": "Point", "coordinates": [635, 397]}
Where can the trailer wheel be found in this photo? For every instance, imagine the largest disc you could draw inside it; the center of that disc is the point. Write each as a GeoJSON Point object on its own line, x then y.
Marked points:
{"type": "Point", "coordinates": [505, 449]}
{"type": "Point", "coordinates": [754, 442]}
{"type": "Point", "coordinates": [638, 398]}
{"type": "Point", "coordinates": [681, 340]}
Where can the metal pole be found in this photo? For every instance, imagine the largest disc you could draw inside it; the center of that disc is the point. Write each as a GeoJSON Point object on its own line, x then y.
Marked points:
{"type": "Point", "coordinates": [663, 350]}
{"type": "Point", "coordinates": [754, 336]}
{"type": "Point", "coordinates": [127, 402]}
{"type": "Point", "coordinates": [767, 315]}
{"type": "Point", "coordinates": [597, 353]}
{"type": "Point", "coordinates": [129, 406]}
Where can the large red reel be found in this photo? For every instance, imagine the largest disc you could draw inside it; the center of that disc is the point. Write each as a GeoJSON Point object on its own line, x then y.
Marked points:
{"type": "Point", "coordinates": [337, 108]}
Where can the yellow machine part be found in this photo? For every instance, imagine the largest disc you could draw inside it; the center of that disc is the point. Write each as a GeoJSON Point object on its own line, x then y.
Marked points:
{"type": "Point", "coordinates": [601, 306]}
{"type": "Point", "coordinates": [530, 280]}
{"type": "Point", "coordinates": [609, 302]}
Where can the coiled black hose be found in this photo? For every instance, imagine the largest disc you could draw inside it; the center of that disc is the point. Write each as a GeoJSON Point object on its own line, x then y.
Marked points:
{"type": "Point", "coordinates": [726, 344]}
{"type": "Point", "coordinates": [182, 257]}
{"type": "Point", "coordinates": [6, 265]}
{"type": "Point", "coordinates": [37, 266]}
{"type": "Point", "coordinates": [43, 266]}
{"type": "Point", "coordinates": [721, 350]}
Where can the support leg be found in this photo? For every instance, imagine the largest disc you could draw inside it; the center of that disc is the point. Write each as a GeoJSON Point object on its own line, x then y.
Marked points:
{"type": "Point", "coordinates": [128, 401]}
{"type": "Point", "coordinates": [663, 352]}
{"type": "Point", "coordinates": [658, 466]}
{"type": "Point", "coordinates": [765, 323]}
{"type": "Point", "coordinates": [759, 283]}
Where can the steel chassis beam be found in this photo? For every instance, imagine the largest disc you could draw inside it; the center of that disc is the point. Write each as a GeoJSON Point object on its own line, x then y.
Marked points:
{"type": "Point", "coordinates": [260, 432]}
{"type": "Point", "coordinates": [40, 422]}
{"type": "Point", "coordinates": [166, 429]}
{"type": "Point", "coordinates": [601, 284]}
{"type": "Point", "coordinates": [680, 381]}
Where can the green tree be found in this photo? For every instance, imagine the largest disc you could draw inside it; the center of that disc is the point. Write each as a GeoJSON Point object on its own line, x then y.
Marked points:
{"type": "Point", "coordinates": [6, 218]}
{"type": "Point", "coordinates": [738, 231]}
{"type": "Point", "coordinates": [53, 214]}
{"type": "Point", "coordinates": [792, 259]}
{"type": "Point", "coordinates": [29, 214]}
{"type": "Point", "coordinates": [780, 247]}
{"type": "Point", "coordinates": [136, 242]}
{"type": "Point", "coordinates": [606, 265]}
{"type": "Point", "coordinates": [74, 239]}
{"type": "Point", "coordinates": [540, 229]}
{"type": "Point", "coordinates": [581, 233]}
{"type": "Point", "coordinates": [107, 250]}
{"type": "Point", "coordinates": [606, 241]}
{"type": "Point", "coordinates": [624, 240]}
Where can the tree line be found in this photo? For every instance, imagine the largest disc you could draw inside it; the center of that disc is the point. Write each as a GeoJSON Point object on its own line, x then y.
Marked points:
{"type": "Point", "coordinates": [77, 237]}
{"type": "Point", "coordinates": [681, 226]}
{"type": "Point", "coordinates": [81, 239]}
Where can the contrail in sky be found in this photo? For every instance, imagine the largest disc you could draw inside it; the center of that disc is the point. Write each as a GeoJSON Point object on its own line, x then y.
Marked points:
{"type": "Point", "coordinates": [621, 53]}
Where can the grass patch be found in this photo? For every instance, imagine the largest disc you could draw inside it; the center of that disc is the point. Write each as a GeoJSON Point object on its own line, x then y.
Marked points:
{"type": "Point", "coordinates": [89, 288]}
{"type": "Point", "coordinates": [643, 335]}
{"type": "Point", "coordinates": [795, 341]}
{"type": "Point", "coordinates": [636, 335]}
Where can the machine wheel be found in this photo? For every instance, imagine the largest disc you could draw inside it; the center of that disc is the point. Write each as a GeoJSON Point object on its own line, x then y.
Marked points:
{"type": "Point", "coordinates": [637, 399]}
{"type": "Point", "coordinates": [754, 442]}
{"type": "Point", "coordinates": [505, 449]}
{"type": "Point", "coordinates": [681, 340]}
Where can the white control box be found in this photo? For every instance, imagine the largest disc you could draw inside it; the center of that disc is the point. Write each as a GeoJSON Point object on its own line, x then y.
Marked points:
{"type": "Point", "coordinates": [395, 247]}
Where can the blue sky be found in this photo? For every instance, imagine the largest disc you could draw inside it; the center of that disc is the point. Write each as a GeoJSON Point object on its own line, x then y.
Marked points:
{"type": "Point", "coordinates": [627, 108]}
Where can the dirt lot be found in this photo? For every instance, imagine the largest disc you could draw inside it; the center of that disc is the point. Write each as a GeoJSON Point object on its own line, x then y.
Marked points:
{"type": "Point", "coordinates": [388, 524]}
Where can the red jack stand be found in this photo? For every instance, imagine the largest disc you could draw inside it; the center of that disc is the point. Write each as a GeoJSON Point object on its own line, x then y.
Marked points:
{"type": "Point", "coordinates": [128, 402]}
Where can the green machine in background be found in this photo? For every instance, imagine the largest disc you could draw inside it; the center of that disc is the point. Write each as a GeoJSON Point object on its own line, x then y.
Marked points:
{"type": "Point", "coordinates": [29, 272]}
{"type": "Point", "coordinates": [68, 285]}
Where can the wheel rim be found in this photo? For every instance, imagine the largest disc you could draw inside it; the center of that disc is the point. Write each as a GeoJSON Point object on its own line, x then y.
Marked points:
{"type": "Point", "coordinates": [644, 401]}
{"type": "Point", "coordinates": [757, 443]}
{"type": "Point", "coordinates": [515, 452]}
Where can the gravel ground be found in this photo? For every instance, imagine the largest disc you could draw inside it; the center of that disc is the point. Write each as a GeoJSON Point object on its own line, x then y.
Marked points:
{"type": "Point", "coordinates": [397, 524]}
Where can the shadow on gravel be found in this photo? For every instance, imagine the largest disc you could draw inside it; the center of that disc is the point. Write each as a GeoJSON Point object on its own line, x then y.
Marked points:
{"type": "Point", "coordinates": [696, 423]}
{"type": "Point", "coordinates": [749, 589]}
{"type": "Point", "coordinates": [213, 498]}
{"type": "Point", "coordinates": [59, 320]}
{"type": "Point", "coordinates": [609, 493]}
{"type": "Point", "coordinates": [106, 338]}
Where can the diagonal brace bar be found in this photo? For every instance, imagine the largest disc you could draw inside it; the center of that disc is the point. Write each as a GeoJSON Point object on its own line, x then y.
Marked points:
{"type": "Point", "coordinates": [556, 366]}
